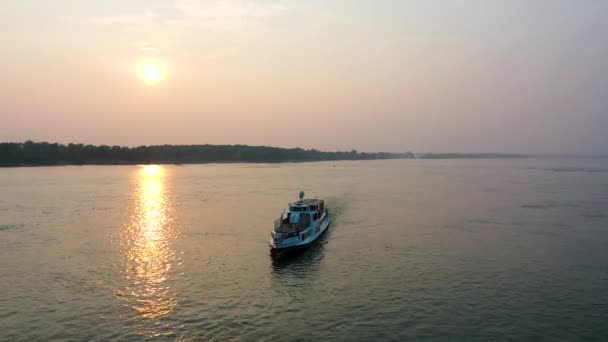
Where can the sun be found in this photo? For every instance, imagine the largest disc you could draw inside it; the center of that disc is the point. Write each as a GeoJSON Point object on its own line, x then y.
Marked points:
{"type": "Point", "coordinates": [151, 71]}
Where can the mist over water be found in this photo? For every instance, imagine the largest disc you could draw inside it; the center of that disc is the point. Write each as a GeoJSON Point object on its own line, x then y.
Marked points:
{"type": "Point", "coordinates": [437, 249]}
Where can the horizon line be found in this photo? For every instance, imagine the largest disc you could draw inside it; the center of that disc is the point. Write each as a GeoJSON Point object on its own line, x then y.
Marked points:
{"type": "Point", "coordinates": [418, 155]}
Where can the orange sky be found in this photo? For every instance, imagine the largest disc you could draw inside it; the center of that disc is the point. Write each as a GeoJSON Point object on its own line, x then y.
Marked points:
{"type": "Point", "coordinates": [503, 76]}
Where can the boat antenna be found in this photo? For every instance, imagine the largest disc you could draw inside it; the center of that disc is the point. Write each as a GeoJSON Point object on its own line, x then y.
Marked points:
{"type": "Point", "coordinates": [302, 195]}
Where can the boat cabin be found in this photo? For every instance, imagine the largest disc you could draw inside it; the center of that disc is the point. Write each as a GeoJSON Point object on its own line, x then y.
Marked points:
{"type": "Point", "coordinates": [300, 215]}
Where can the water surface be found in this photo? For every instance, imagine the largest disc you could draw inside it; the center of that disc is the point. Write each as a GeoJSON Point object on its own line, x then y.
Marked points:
{"type": "Point", "coordinates": [419, 249]}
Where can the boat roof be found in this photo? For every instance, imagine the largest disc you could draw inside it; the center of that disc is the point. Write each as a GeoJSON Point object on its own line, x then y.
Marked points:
{"type": "Point", "coordinates": [308, 201]}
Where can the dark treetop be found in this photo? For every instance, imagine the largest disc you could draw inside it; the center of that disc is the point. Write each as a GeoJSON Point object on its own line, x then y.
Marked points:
{"type": "Point", "coordinates": [43, 153]}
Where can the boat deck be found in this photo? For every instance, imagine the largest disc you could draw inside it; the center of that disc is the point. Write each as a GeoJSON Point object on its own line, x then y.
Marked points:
{"type": "Point", "coordinates": [309, 201]}
{"type": "Point", "coordinates": [280, 227]}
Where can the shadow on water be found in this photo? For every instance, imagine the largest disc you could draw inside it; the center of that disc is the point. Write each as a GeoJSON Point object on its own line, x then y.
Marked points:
{"type": "Point", "coordinates": [301, 264]}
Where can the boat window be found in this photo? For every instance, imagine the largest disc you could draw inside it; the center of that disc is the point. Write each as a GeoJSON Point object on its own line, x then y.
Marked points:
{"type": "Point", "coordinates": [294, 218]}
{"type": "Point", "coordinates": [305, 220]}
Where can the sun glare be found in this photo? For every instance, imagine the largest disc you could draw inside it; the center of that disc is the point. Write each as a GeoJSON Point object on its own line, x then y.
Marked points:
{"type": "Point", "coordinates": [151, 71]}
{"type": "Point", "coordinates": [152, 170]}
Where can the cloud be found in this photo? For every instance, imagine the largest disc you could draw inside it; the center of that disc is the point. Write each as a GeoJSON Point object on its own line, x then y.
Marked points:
{"type": "Point", "coordinates": [126, 18]}
{"type": "Point", "coordinates": [114, 20]}
{"type": "Point", "coordinates": [223, 15]}
{"type": "Point", "coordinates": [230, 9]}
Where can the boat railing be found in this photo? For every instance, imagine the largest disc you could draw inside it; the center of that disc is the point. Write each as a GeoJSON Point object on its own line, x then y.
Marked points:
{"type": "Point", "coordinates": [281, 227]}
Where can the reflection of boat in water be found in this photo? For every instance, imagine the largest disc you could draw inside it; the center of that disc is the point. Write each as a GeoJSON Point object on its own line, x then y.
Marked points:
{"type": "Point", "coordinates": [302, 225]}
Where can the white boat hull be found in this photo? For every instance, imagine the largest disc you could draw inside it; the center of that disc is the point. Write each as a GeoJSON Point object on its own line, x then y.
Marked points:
{"type": "Point", "coordinates": [302, 240]}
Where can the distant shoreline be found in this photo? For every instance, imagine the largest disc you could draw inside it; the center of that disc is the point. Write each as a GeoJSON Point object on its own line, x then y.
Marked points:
{"type": "Point", "coordinates": [473, 156]}
{"type": "Point", "coordinates": [38, 154]}
{"type": "Point", "coordinates": [31, 153]}
{"type": "Point", "coordinates": [502, 156]}
{"type": "Point", "coordinates": [192, 163]}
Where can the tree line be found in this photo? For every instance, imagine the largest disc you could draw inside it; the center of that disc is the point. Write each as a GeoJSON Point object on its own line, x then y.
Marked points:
{"type": "Point", "coordinates": [44, 153]}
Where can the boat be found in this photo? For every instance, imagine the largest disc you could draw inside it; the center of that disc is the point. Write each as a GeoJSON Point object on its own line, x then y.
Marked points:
{"type": "Point", "coordinates": [299, 227]}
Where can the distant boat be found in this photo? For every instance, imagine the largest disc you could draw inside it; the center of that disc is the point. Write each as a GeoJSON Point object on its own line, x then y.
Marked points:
{"type": "Point", "coordinates": [299, 227]}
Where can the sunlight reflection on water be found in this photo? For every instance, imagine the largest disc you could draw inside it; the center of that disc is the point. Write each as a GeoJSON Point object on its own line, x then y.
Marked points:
{"type": "Point", "coordinates": [147, 248]}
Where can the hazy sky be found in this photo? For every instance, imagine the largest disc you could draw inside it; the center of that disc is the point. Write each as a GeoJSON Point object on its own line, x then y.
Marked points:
{"type": "Point", "coordinates": [393, 75]}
